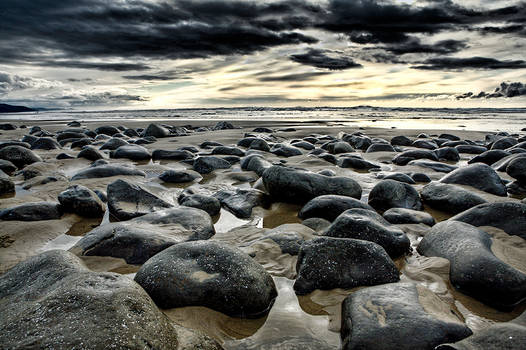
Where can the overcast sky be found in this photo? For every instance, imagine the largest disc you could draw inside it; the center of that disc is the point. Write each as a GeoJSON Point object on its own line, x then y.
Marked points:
{"type": "Point", "coordinates": [107, 54]}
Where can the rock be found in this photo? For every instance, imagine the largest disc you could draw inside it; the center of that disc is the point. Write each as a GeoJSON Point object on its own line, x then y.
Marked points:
{"type": "Point", "coordinates": [172, 155]}
{"type": "Point", "coordinates": [91, 304]}
{"type": "Point", "coordinates": [70, 136]}
{"type": "Point", "coordinates": [131, 133]}
{"type": "Point", "coordinates": [356, 163]}
{"type": "Point", "coordinates": [19, 156]}
{"type": "Point", "coordinates": [420, 177]}
{"type": "Point", "coordinates": [449, 198]}
{"type": "Point", "coordinates": [317, 224]}
{"type": "Point", "coordinates": [113, 144]}
{"type": "Point", "coordinates": [241, 201]}
{"type": "Point", "coordinates": [389, 194]}
{"type": "Point", "coordinates": [339, 147]}
{"type": "Point", "coordinates": [475, 270]}
{"type": "Point", "coordinates": [517, 169]}
{"type": "Point", "coordinates": [6, 185]}
{"type": "Point", "coordinates": [4, 144]}
{"type": "Point", "coordinates": [207, 164]}
{"type": "Point", "coordinates": [260, 145]}
{"type": "Point", "coordinates": [427, 144]}
{"type": "Point", "coordinates": [127, 200]}
{"type": "Point", "coordinates": [489, 157]}
{"type": "Point", "coordinates": [156, 131]}
{"type": "Point", "coordinates": [408, 216]}
{"type": "Point", "coordinates": [29, 139]}
{"type": "Point", "coordinates": [297, 186]}
{"type": "Point", "coordinates": [502, 164]}
{"type": "Point", "coordinates": [401, 141]}
{"type": "Point", "coordinates": [223, 125]}
{"type": "Point", "coordinates": [64, 156]}
{"type": "Point", "coordinates": [328, 263]}
{"type": "Point", "coordinates": [82, 201]}
{"type": "Point", "coordinates": [369, 226]}
{"type": "Point", "coordinates": [209, 144]}
{"type": "Point", "coordinates": [391, 316]}
{"type": "Point", "coordinates": [480, 176]}
{"type": "Point", "coordinates": [8, 126]}
{"type": "Point", "coordinates": [407, 156]}
{"type": "Point", "coordinates": [107, 130]}
{"type": "Point", "coordinates": [516, 188]}
{"type": "Point", "coordinates": [380, 147]}
{"type": "Point", "coordinates": [436, 166]}
{"type": "Point", "coordinates": [471, 149]}
{"type": "Point", "coordinates": [448, 153]}
{"type": "Point", "coordinates": [261, 129]}
{"type": "Point", "coordinates": [285, 151]}
{"type": "Point", "coordinates": [504, 143]}
{"type": "Point", "coordinates": [90, 153]}
{"type": "Point", "coordinates": [508, 216]}
{"type": "Point", "coordinates": [329, 207]}
{"type": "Point", "coordinates": [132, 152]}
{"type": "Point", "coordinates": [36, 211]}
{"type": "Point", "coordinates": [79, 143]}
{"type": "Point", "coordinates": [225, 150]}
{"type": "Point", "coordinates": [449, 137]}
{"type": "Point", "coordinates": [400, 177]}
{"type": "Point", "coordinates": [499, 336]}
{"type": "Point", "coordinates": [107, 171]}
{"type": "Point", "coordinates": [304, 145]}
{"type": "Point", "coordinates": [215, 275]}
{"type": "Point", "coordinates": [45, 143]}
{"type": "Point", "coordinates": [7, 167]}
{"type": "Point", "coordinates": [180, 176]}
{"type": "Point", "coordinates": [209, 204]}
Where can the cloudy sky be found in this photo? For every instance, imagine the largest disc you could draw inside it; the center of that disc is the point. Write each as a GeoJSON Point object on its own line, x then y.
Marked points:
{"type": "Point", "coordinates": [92, 54]}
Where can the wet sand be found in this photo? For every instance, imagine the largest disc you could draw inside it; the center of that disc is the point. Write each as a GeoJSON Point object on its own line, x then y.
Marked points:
{"type": "Point", "coordinates": [315, 317]}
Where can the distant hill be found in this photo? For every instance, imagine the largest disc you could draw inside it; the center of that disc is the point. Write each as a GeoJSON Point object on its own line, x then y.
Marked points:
{"type": "Point", "coordinates": [5, 108]}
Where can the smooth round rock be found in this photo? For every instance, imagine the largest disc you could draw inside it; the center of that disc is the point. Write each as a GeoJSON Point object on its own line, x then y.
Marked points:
{"type": "Point", "coordinates": [82, 201]}
{"type": "Point", "coordinates": [517, 169]}
{"type": "Point", "coordinates": [408, 216]}
{"type": "Point", "coordinates": [207, 164]}
{"type": "Point", "coordinates": [480, 176]}
{"type": "Point", "coordinates": [19, 156]}
{"type": "Point", "coordinates": [35, 211]}
{"type": "Point", "coordinates": [389, 194]}
{"type": "Point", "coordinates": [132, 152]}
{"type": "Point", "coordinates": [449, 198]}
{"type": "Point", "coordinates": [329, 207]}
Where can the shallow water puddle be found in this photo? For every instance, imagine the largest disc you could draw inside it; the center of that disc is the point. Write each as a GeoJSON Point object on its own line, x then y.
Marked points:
{"type": "Point", "coordinates": [63, 242]}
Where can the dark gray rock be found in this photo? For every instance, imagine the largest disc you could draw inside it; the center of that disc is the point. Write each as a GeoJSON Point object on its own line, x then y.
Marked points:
{"type": "Point", "coordinates": [517, 169]}
{"type": "Point", "coordinates": [127, 200]}
{"type": "Point", "coordinates": [90, 153]}
{"type": "Point", "coordinates": [172, 155]}
{"type": "Point", "coordinates": [231, 151]}
{"type": "Point", "coordinates": [504, 143]}
{"type": "Point", "coordinates": [449, 137]}
{"type": "Point", "coordinates": [401, 141]}
{"type": "Point", "coordinates": [210, 144]}
{"type": "Point", "coordinates": [436, 166]}
{"type": "Point", "coordinates": [255, 163]}
{"type": "Point", "coordinates": [64, 156]}
{"type": "Point", "coordinates": [223, 125]}
{"type": "Point", "coordinates": [107, 171]}
{"type": "Point", "coordinates": [480, 176]}
{"type": "Point", "coordinates": [209, 204]}
{"type": "Point", "coordinates": [180, 176]}
{"type": "Point", "coordinates": [389, 194]}
{"type": "Point", "coordinates": [489, 157]}
{"type": "Point", "coordinates": [370, 226]}
{"type": "Point", "coordinates": [131, 133]}
{"type": "Point", "coordinates": [6, 185]}
{"type": "Point", "coordinates": [91, 306]}
{"type": "Point", "coordinates": [390, 316]}
{"type": "Point", "coordinates": [305, 145]}
{"type": "Point", "coordinates": [36, 211]}
{"type": "Point", "coordinates": [132, 152]}
{"type": "Point", "coordinates": [400, 177]}
{"type": "Point", "coordinates": [70, 135]}
{"type": "Point", "coordinates": [380, 147]}
{"type": "Point", "coordinates": [508, 216]}
{"type": "Point", "coordinates": [82, 201]}
{"type": "Point", "coordinates": [29, 139]}
{"type": "Point", "coordinates": [7, 167]}
{"type": "Point", "coordinates": [260, 145]}
{"type": "Point", "coordinates": [107, 130]}
{"type": "Point", "coordinates": [113, 144]}
{"type": "Point", "coordinates": [516, 188]}
{"type": "Point", "coordinates": [471, 149]}
{"type": "Point", "coordinates": [45, 143]}
{"type": "Point", "coordinates": [317, 224]}
{"type": "Point", "coordinates": [356, 163]}
{"type": "Point", "coordinates": [340, 147]}
{"type": "Point", "coordinates": [8, 126]}
{"type": "Point", "coordinates": [427, 144]}
{"type": "Point", "coordinates": [502, 164]}
{"type": "Point", "coordinates": [207, 164]}
{"type": "Point", "coordinates": [420, 177]}
{"type": "Point", "coordinates": [79, 143]}
{"type": "Point", "coordinates": [408, 216]}
{"type": "Point", "coordinates": [261, 129]}
{"type": "Point", "coordinates": [156, 131]}
{"type": "Point", "coordinates": [449, 198]}
{"type": "Point", "coordinates": [4, 144]}
{"type": "Point", "coordinates": [448, 153]}
{"type": "Point", "coordinates": [329, 207]}
{"type": "Point", "coordinates": [241, 201]}
{"type": "Point", "coordinates": [475, 270]}
{"type": "Point", "coordinates": [285, 151]}
{"type": "Point", "coordinates": [407, 156]}
{"type": "Point", "coordinates": [328, 263]}
{"type": "Point", "coordinates": [19, 156]}
{"type": "Point", "coordinates": [297, 186]}
{"type": "Point", "coordinates": [215, 275]}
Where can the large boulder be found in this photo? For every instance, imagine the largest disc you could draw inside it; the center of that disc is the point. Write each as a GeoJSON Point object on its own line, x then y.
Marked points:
{"type": "Point", "coordinates": [160, 154]}
{"type": "Point", "coordinates": [298, 186]}
{"type": "Point", "coordinates": [128, 200]}
{"type": "Point", "coordinates": [255, 163]}
{"type": "Point", "coordinates": [113, 144]}
{"type": "Point", "coordinates": [449, 198]}
{"type": "Point", "coordinates": [132, 152]}
{"type": "Point", "coordinates": [156, 131]}
{"type": "Point", "coordinates": [107, 171]}
{"type": "Point", "coordinates": [389, 194]}
{"type": "Point", "coordinates": [435, 166]}
{"type": "Point", "coordinates": [19, 156]}
{"type": "Point", "coordinates": [231, 151]}
{"type": "Point", "coordinates": [6, 185]}
{"type": "Point", "coordinates": [391, 316]}
{"type": "Point", "coordinates": [210, 274]}
{"type": "Point", "coordinates": [328, 263]}
{"type": "Point", "coordinates": [207, 164]}
{"type": "Point", "coordinates": [7, 167]}
{"type": "Point", "coordinates": [508, 216]}
{"type": "Point", "coordinates": [209, 204]}
{"type": "Point", "coordinates": [82, 201]}
{"type": "Point", "coordinates": [475, 270]}
{"type": "Point", "coordinates": [370, 226]}
{"type": "Point", "coordinates": [330, 206]}
{"type": "Point", "coordinates": [52, 301]}
{"type": "Point", "coordinates": [107, 130]}
{"type": "Point", "coordinates": [241, 201]}
{"type": "Point", "coordinates": [517, 169]}
{"type": "Point", "coordinates": [180, 176]}
{"type": "Point", "coordinates": [407, 156]}
{"type": "Point", "coordinates": [489, 157]}
{"type": "Point", "coordinates": [90, 153]}
{"type": "Point", "coordinates": [35, 211]}
{"type": "Point", "coordinates": [408, 216]}
{"type": "Point", "coordinates": [45, 143]}
{"type": "Point", "coordinates": [479, 176]}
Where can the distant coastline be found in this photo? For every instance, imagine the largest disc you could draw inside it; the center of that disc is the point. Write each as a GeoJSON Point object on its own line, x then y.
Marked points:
{"type": "Point", "coordinates": [5, 108]}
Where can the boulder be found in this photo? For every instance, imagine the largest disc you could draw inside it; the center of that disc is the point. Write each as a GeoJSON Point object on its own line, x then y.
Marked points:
{"type": "Point", "coordinates": [401, 177]}
{"type": "Point", "coordinates": [45, 143]}
{"type": "Point", "coordinates": [6, 185]}
{"type": "Point", "coordinates": [380, 147]}
{"type": "Point", "coordinates": [36, 211]}
{"type": "Point", "coordinates": [479, 176]}
{"type": "Point", "coordinates": [298, 186]}
{"type": "Point", "coordinates": [517, 169]}
{"type": "Point", "coordinates": [370, 226]}
{"type": "Point", "coordinates": [448, 153]}
{"type": "Point", "coordinates": [408, 216]}
{"type": "Point", "coordinates": [210, 274]}
{"type": "Point", "coordinates": [156, 131]}
{"type": "Point", "coordinates": [471, 149]}
{"type": "Point", "coordinates": [209, 204]}
{"type": "Point", "coordinates": [107, 130]}
{"type": "Point", "coordinates": [160, 154]}
{"type": "Point", "coordinates": [231, 151]}
{"type": "Point", "coordinates": [241, 201]}
{"type": "Point", "coordinates": [223, 125]}
{"type": "Point", "coordinates": [423, 143]}
{"type": "Point", "coordinates": [475, 270]}
{"type": "Point", "coordinates": [207, 164]}
{"type": "Point", "coordinates": [107, 171]}
{"type": "Point", "coordinates": [90, 153]}
{"type": "Point", "coordinates": [260, 145]}
{"type": "Point", "coordinates": [285, 151]}
{"type": "Point", "coordinates": [391, 316]}
{"type": "Point", "coordinates": [436, 166]}
{"type": "Point", "coordinates": [180, 176]}
{"type": "Point", "coordinates": [389, 194]}
{"type": "Point", "coordinates": [132, 152]}
{"type": "Point", "coordinates": [449, 198]}
{"type": "Point", "coordinates": [420, 177]}
{"type": "Point", "coordinates": [113, 144]}
{"type": "Point", "coordinates": [327, 263]}
{"type": "Point", "coordinates": [401, 141]}
{"type": "Point", "coordinates": [7, 167]}
{"type": "Point", "coordinates": [489, 157]}
{"type": "Point", "coordinates": [19, 156]}
{"type": "Point", "coordinates": [407, 156]}
{"type": "Point", "coordinates": [504, 143]}
{"type": "Point", "coordinates": [329, 207]}
{"type": "Point", "coordinates": [356, 163]}
{"type": "Point", "coordinates": [82, 201]}
{"type": "Point", "coordinates": [339, 147]}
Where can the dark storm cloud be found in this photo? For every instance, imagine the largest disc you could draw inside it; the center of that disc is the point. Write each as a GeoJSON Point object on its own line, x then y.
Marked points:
{"type": "Point", "coordinates": [461, 64]}
{"type": "Point", "coordinates": [99, 98]}
{"type": "Point", "coordinates": [293, 77]}
{"type": "Point", "coordinates": [416, 46]}
{"type": "Point", "coordinates": [157, 76]}
{"type": "Point", "coordinates": [325, 59]}
{"type": "Point", "coordinates": [504, 90]}
{"type": "Point", "coordinates": [115, 67]}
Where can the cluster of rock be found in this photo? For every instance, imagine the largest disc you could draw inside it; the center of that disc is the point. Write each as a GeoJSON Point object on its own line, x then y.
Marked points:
{"type": "Point", "coordinates": [354, 243]}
